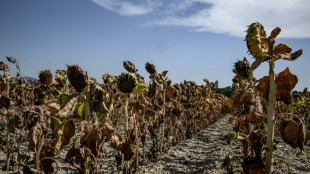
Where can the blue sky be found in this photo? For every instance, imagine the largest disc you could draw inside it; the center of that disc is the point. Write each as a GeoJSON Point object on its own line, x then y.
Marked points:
{"type": "Point", "coordinates": [193, 39]}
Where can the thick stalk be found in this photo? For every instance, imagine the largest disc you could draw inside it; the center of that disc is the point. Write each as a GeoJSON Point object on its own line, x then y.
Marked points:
{"type": "Point", "coordinates": [163, 125]}
{"type": "Point", "coordinates": [87, 114]}
{"type": "Point", "coordinates": [251, 128]}
{"type": "Point", "coordinates": [126, 126]}
{"type": "Point", "coordinates": [8, 152]}
{"type": "Point", "coordinates": [271, 116]}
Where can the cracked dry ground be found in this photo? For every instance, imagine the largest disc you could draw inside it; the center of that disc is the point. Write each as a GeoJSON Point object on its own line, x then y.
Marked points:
{"type": "Point", "coordinates": [205, 152]}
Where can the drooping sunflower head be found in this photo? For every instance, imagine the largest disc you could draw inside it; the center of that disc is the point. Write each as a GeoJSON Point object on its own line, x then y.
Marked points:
{"type": "Point", "coordinates": [126, 83]}
{"type": "Point", "coordinates": [77, 77]}
{"type": "Point", "coordinates": [243, 68]}
{"type": "Point", "coordinates": [150, 68]}
{"type": "Point", "coordinates": [256, 45]}
{"type": "Point", "coordinates": [46, 77]}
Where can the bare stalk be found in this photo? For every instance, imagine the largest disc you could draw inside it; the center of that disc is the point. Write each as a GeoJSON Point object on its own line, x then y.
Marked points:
{"type": "Point", "coordinates": [271, 116]}
{"type": "Point", "coordinates": [87, 113]}
{"type": "Point", "coordinates": [126, 126]}
{"type": "Point", "coordinates": [164, 118]}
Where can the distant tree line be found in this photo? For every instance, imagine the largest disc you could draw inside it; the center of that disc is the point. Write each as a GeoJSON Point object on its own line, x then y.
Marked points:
{"type": "Point", "coordinates": [227, 91]}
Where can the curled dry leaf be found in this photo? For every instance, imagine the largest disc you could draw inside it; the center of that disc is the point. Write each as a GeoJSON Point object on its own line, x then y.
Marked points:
{"type": "Point", "coordinates": [75, 158]}
{"type": "Point", "coordinates": [35, 134]}
{"type": "Point", "coordinates": [236, 100]}
{"type": "Point", "coordinates": [67, 109]}
{"type": "Point", "coordinates": [128, 150]}
{"type": "Point", "coordinates": [11, 59]}
{"type": "Point", "coordinates": [296, 54]}
{"type": "Point", "coordinates": [255, 119]}
{"type": "Point", "coordinates": [52, 106]}
{"type": "Point", "coordinates": [275, 32]}
{"type": "Point", "coordinates": [29, 170]}
{"type": "Point", "coordinates": [164, 73]}
{"type": "Point", "coordinates": [93, 136]}
{"type": "Point", "coordinates": [99, 106]}
{"type": "Point", "coordinates": [47, 157]}
{"type": "Point", "coordinates": [23, 158]}
{"type": "Point", "coordinates": [285, 81]}
{"type": "Point", "coordinates": [293, 133]}
{"type": "Point", "coordinates": [117, 142]}
{"type": "Point", "coordinates": [282, 48]}
{"type": "Point", "coordinates": [170, 92]}
{"type": "Point", "coordinates": [5, 102]}
{"type": "Point", "coordinates": [68, 132]}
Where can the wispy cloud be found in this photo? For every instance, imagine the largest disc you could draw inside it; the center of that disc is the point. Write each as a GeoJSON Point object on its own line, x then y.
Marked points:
{"type": "Point", "coordinates": [128, 8]}
{"type": "Point", "coordinates": [221, 16]}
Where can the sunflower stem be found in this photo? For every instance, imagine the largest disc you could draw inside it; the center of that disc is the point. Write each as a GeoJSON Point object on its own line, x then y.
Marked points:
{"type": "Point", "coordinates": [126, 126]}
{"type": "Point", "coordinates": [271, 116]}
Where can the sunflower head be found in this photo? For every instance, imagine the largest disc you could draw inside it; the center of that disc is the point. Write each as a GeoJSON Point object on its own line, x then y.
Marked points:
{"type": "Point", "coordinates": [46, 77]}
{"type": "Point", "coordinates": [77, 77]}
{"type": "Point", "coordinates": [126, 83]}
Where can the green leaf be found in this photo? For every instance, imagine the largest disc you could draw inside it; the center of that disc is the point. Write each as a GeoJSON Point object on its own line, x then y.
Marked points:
{"type": "Point", "coordinates": [240, 136]}
{"type": "Point", "coordinates": [64, 81]}
{"type": "Point", "coordinates": [102, 116]}
{"type": "Point", "coordinates": [79, 110]}
{"type": "Point", "coordinates": [56, 94]}
{"type": "Point", "coordinates": [139, 89]}
{"type": "Point", "coordinates": [64, 99]}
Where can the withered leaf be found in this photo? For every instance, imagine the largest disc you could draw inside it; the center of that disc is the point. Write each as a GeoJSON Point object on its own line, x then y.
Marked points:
{"type": "Point", "coordinates": [47, 158]}
{"type": "Point", "coordinates": [75, 158]}
{"type": "Point", "coordinates": [275, 32]}
{"type": "Point", "coordinates": [255, 119]}
{"type": "Point", "coordinates": [35, 134]}
{"type": "Point", "coordinates": [5, 102]}
{"type": "Point", "coordinates": [67, 109]}
{"type": "Point", "coordinates": [68, 132]}
{"type": "Point", "coordinates": [128, 150]}
{"type": "Point", "coordinates": [11, 59]}
{"type": "Point", "coordinates": [282, 48]}
{"type": "Point", "coordinates": [22, 158]}
{"type": "Point", "coordinates": [93, 136]}
{"type": "Point", "coordinates": [53, 106]}
{"type": "Point", "coordinates": [285, 81]}
{"type": "Point", "coordinates": [29, 170]}
{"type": "Point", "coordinates": [164, 73]}
{"type": "Point", "coordinates": [169, 92]}
{"type": "Point", "coordinates": [117, 142]}
{"type": "Point", "coordinates": [293, 133]}
{"type": "Point", "coordinates": [235, 101]}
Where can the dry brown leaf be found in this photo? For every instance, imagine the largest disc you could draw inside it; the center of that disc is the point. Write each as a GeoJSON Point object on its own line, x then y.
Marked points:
{"type": "Point", "coordinates": [117, 142]}
{"type": "Point", "coordinates": [93, 136]}
{"type": "Point", "coordinates": [285, 81]}
{"type": "Point", "coordinates": [53, 106]}
{"type": "Point", "coordinates": [293, 133]}
{"type": "Point", "coordinates": [35, 134]}
{"type": "Point", "coordinates": [169, 92]}
{"type": "Point", "coordinates": [67, 109]}
{"type": "Point", "coordinates": [282, 48]}
{"type": "Point", "coordinates": [68, 132]}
